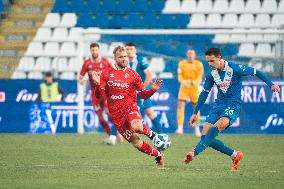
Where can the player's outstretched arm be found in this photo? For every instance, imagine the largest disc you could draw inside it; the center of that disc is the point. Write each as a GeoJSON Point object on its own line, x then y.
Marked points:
{"type": "Point", "coordinates": [157, 84]}
{"type": "Point", "coordinates": [148, 93]}
{"type": "Point", "coordinates": [263, 77]}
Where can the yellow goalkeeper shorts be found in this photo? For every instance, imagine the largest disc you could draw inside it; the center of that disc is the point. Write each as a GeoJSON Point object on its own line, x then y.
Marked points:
{"type": "Point", "coordinates": [188, 93]}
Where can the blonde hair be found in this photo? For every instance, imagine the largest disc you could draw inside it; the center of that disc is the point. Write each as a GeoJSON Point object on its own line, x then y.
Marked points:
{"type": "Point", "coordinates": [118, 49]}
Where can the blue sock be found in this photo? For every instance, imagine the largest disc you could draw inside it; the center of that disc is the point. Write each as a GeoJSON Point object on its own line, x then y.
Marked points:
{"type": "Point", "coordinates": [156, 124]}
{"type": "Point", "coordinates": [113, 130]}
{"type": "Point", "coordinates": [203, 144]}
{"type": "Point", "coordinates": [218, 145]}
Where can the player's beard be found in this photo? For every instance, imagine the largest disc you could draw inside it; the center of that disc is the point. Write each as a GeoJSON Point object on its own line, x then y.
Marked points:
{"type": "Point", "coordinates": [122, 64]}
{"type": "Point", "coordinates": [95, 56]}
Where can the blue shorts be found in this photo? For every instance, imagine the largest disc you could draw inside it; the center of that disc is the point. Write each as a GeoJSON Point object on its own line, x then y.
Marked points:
{"type": "Point", "coordinates": [230, 111]}
{"type": "Point", "coordinates": [144, 104]}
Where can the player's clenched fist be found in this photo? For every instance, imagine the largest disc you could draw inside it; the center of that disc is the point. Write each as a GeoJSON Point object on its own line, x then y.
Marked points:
{"type": "Point", "coordinates": [275, 88]}
{"type": "Point", "coordinates": [157, 84]}
{"type": "Point", "coordinates": [192, 120]}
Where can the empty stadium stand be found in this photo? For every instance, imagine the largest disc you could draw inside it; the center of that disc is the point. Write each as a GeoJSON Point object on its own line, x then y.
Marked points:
{"type": "Point", "coordinates": [55, 47]}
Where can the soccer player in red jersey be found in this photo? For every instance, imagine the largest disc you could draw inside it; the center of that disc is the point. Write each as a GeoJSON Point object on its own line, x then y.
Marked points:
{"type": "Point", "coordinates": [97, 63]}
{"type": "Point", "coordinates": [119, 84]}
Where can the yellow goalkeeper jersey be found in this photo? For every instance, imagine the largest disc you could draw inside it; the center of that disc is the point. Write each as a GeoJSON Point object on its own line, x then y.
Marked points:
{"type": "Point", "coordinates": [190, 72]}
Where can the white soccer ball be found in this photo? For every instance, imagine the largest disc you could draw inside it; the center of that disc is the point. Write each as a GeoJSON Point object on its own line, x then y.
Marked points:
{"type": "Point", "coordinates": [161, 142]}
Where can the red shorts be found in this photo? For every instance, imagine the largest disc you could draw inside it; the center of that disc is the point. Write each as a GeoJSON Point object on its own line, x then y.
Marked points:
{"type": "Point", "coordinates": [123, 122]}
{"type": "Point", "coordinates": [99, 104]}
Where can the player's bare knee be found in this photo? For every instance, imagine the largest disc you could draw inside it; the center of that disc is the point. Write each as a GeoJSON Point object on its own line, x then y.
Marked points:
{"type": "Point", "coordinates": [137, 125]}
{"type": "Point", "coordinates": [222, 123]}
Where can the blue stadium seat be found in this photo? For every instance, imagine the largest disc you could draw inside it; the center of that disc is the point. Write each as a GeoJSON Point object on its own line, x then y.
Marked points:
{"type": "Point", "coordinates": [181, 19]}
{"type": "Point", "coordinates": [135, 20]}
{"type": "Point", "coordinates": [78, 6]}
{"type": "Point", "coordinates": [230, 50]}
{"type": "Point", "coordinates": [61, 6]}
{"type": "Point", "coordinates": [101, 20]}
{"type": "Point", "coordinates": [108, 6]}
{"type": "Point", "coordinates": [156, 5]}
{"type": "Point", "coordinates": [141, 6]}
{"type": "Point", "coordinates": [94, 6]}
{"type": "Point", "coordinates": [118, 21]}
{"type": "Point", "coordinates": [125, 6]}
{"type": "Point", "coordinates": [150, 20]}
{"type": "Point", "coordinates": [213, 45]}
{"type": "Point", "coordinates": [85, 20]}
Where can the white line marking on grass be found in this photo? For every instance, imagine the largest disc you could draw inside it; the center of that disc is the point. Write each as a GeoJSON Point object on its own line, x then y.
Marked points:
{"type": "Point", "coordinates": [163, 168]}
{"type": "Point", "coordinates": [43, 165]}
{"type": "Point", "coordinates": [272, 171]}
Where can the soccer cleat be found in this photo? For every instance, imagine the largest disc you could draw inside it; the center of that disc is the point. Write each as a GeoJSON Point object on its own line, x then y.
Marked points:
{"type": "Point", "coordinates": [111, 140]}
{"type": "Point", "coordinates": [179, 131]}
{"type": "Point", "coordinates": [160, 161]}
{"type": "Point", "coordinates": [236, 161]}
{"type": "Point", "coordinates": [152, 135]}
{"type": "Point", "coordinates": [189, 157]}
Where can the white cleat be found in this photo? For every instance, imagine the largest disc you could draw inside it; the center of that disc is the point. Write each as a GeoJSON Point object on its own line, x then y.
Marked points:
{"type": "Point", "coordinates": [111, 140]}
{"type": "Point", "coordinates": [179, 131]}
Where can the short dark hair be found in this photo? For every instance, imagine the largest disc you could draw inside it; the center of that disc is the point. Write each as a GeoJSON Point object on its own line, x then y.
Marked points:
{"type": "Point", "coordinates": [130, 44]}
{"type": "Point", "coordinates": [48, 74]}
{"type": "Point", "coordinates": [92, 45]}
{"type": "Point", "coordinates": [213, 51]}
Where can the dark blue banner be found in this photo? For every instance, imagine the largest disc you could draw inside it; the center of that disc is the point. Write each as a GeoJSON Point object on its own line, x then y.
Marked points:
{"type": "Point", "coordinates": [262, 112]}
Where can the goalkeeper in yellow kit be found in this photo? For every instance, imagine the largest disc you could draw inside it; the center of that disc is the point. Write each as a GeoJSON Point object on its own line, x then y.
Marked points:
{"type": "Point", "coordinates": [190, 73]}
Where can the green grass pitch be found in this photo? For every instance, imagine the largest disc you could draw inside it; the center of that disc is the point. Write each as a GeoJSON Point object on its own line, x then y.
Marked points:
{"type": "Point", "coordinates": [83, 161]}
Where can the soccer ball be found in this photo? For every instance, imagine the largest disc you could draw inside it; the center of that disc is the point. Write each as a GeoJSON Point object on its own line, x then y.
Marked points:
{"type": "Point", "coordinates": [161, 142]}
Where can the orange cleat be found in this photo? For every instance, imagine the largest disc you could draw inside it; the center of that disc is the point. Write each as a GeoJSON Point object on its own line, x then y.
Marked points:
{"type": "Point", "coordinates": [160, 161]}
{"type": "Point", "coordinates": [236, 161]}
{"type": "Point", "coordinates": [189, 157]}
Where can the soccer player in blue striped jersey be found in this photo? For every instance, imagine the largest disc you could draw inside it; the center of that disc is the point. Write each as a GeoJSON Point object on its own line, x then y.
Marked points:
{"type": "Point", "coordinates": [227, 76]}
{"type": "Point", "coordinates": [140, 65]}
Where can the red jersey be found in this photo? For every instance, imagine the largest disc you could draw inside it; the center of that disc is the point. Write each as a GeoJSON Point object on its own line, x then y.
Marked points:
{"type": "Point", "coordinates": [90, 66]}
{"type": "Point", "coordinates": [120, 88]}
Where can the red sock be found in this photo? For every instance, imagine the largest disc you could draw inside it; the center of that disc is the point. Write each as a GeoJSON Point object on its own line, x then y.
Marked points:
{"type": "Point", "coordinates": [146, 131]}
{"type": "Point", "coordinates": [105, 126]}
{"type": "Point", "coordinates": [148, 149]}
